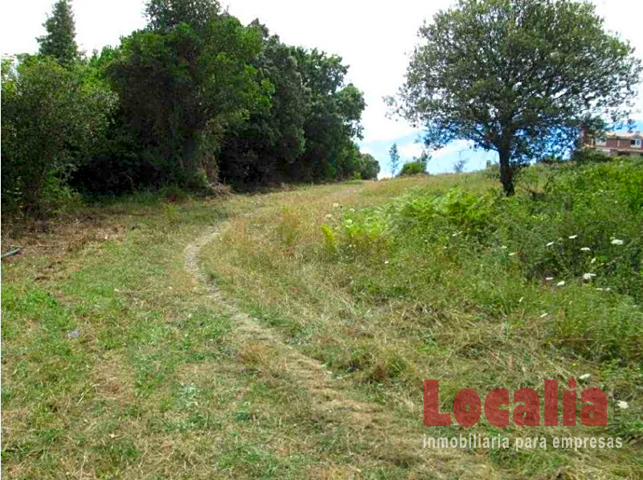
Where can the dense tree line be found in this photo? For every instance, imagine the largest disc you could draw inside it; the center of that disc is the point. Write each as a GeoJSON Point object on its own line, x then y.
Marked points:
{"type": "Point", "coordinates": [193, 99]}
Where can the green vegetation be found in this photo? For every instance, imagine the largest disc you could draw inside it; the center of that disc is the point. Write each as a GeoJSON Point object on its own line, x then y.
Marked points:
{"type": "Point", "coordinates": [192, 100]}
{"type": "Point", "coordinates": [523, 78]}
{"type": "Point", "coordinates": [415, 167]}
{"type": "Point", "coordinates": [60, 40]}
{"type": "Point", "coordinates": [52, 116]}
{"type": "Point", "coordinates": [158, 325]}
{"type": "Point", "coordinates": [369, 168]}
{"type": "Point", "coordinates": [452, 280]}
{"type": "Point", "coordinates": [395, 159]}
{"type": "Point", "coordinates": [117, 363]}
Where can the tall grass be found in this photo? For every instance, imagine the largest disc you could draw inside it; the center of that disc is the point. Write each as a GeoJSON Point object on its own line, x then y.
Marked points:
{"type": "Point", "coordinates": [580, 245]}
{"type": "Point", "coordinates": [390, 283]}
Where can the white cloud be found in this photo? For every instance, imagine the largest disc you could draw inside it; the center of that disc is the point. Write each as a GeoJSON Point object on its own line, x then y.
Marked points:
{"type": "Point", "coordinates": [410, 150]}
{"type": "Point", "coordinates": [454, 147]}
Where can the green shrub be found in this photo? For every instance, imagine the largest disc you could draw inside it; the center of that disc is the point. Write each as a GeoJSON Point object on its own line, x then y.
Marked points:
{"type": "Point", "coordinates": [330, 239]}
{"type": "Point", "coordinates": [574, 252]}
{"type": "Point", "coordinates": [590, 155]}
{"type": "Point", "coordinates": [446, 214]}
{"type": "Point", "coordinates": [413, 168]}
{"type": "Point", "coordinates": [588, 222]}
{"type": "Point", "coordinates": [51, 116]}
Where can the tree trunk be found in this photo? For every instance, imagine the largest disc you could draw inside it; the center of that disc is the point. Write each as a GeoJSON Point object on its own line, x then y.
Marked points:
{"type": "Point", "coordinates": [506, 173]}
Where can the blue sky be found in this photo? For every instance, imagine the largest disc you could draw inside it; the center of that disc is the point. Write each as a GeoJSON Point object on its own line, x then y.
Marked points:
{"type": "Point", "coordinates": [442, 161]}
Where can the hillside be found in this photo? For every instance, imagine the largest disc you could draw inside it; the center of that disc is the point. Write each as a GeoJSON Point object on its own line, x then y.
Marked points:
{"type": "Point", "coordinates": [288, 334]}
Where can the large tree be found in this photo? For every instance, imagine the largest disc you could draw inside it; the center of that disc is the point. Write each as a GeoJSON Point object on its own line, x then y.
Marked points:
{"type": "Point", "coordinates": [60, 40]}
{"type": "Point", "coordinates": [369, 167]}
{"type": "Point", "coordinates": [265, 147]}
{"type": "Point", "coordinates": [164, 15]}
{"type": "Point", "coordinates": [334, 118]}
{"type": "Point", "coordinates": [182, 85]}
{"type": "Point", "coordinates": [521, 77]}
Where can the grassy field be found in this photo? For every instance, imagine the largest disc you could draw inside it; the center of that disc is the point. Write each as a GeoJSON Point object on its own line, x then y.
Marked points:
{"type": "Point", "coordinates": [287, 335]}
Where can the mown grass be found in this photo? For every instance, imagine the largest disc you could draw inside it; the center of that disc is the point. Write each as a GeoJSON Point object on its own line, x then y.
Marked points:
{"type": "Point", "coordinates": [404, 280]}
{"type": "Point", "coordinates": [117, 364]}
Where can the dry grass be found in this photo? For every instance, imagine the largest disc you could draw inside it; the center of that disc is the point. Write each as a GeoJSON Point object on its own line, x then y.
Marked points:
{"type": "Point", "coordinates": [350, 316]}
{"type": "Point", "coordinates": [161, 381]}
{"type": "Point", "coordinates": [278, 361]}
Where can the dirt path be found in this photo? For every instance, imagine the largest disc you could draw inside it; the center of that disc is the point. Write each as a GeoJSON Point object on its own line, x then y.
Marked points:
{"type": "Point", "coordinates": [308, 371]}
{"type": "Point", "coordinates": [391, 439]}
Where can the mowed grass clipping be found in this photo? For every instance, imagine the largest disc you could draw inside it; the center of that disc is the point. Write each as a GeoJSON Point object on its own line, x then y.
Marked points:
{"type": "Point", "coordinates": [399, 281]}
{"type": "Point", "coordinates": [118, 364]}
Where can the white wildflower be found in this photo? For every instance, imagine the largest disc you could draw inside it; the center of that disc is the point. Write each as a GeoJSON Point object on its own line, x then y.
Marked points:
{"type": "Point", "coordinates": [593, 261]}
{"type": "Point", "coordinates": [550, 244]}
{"type": "Point", "coordinates": [512, 254]}
{"type": "Point", "coordinates": [504, 247]}
{"type": "Point", "coordinates": [544, 315]}
{"type": "Point", "coordinates": [585, 376]}
{"type": "Point", "coordinates": [521, 299]}
{"type": "Point", "coordinates": [386, 262]}
{"type": "Point", "coordinates": [572, 237]}
{"type": "Point", "coordinates": [588, 276]}
{"type": "Point", "coordinates": [549, 279]}
{"type": "Point", "coordinates": [617, 241]}
{"type": "Point", "coordinates": [622, 404]}
{"type": "Point", "coordinates": [561, 283]}
{"type": "Point", "coordinates": [585, 249]}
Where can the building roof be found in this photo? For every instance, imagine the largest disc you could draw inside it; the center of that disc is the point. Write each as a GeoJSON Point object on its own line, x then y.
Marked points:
{"type": "Point", "coordinates": [625, 135]}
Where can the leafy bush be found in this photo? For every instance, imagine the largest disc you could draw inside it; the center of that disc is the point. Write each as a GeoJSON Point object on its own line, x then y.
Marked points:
{"type": "Point", "coordinates": [51, 117]}
{"type": "Point", "coordinates": [413, 168]}
{"type": "Point", "coordinates": [452, 213]}
{"type": "Point", "coordinates": [590, 155]}
{"type": "Point", "coordinates": [369, 167]}
{"type": "Point", "coordinates": [359, 234]}
{"type": "Point", "coordinates": [589, 222]}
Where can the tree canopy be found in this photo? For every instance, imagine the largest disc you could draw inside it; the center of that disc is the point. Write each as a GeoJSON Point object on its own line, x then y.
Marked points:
{"type": "Point", "coordinates": [60, 40]}
{"type": "Point", "coordinates": [369, 168]}
{"type": "Point", "coordinates": [521, 77]}
{"type": "Point", "coordinates": [180, 89]}
{"type": "Point", "coordinates": [164, 15]}
{"type": "Point", "coordinates": [51, 118]}
{"type": "Point", "coordinates": [192, 99]}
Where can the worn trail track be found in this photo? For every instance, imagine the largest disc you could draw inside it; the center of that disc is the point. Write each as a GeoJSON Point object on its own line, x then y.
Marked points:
{"type": "Point", "coordinates": [391, 439]}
